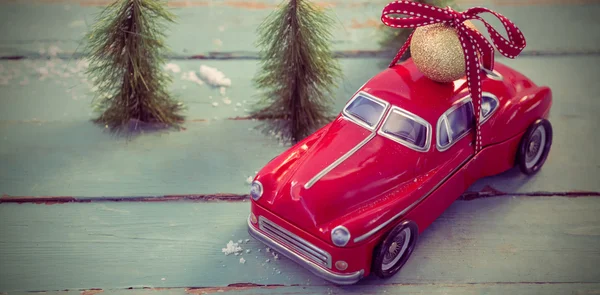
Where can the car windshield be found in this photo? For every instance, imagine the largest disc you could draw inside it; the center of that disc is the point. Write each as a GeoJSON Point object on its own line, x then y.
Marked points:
{"type": "Point", "coordinates": [365, 110]}
{"type": "Point", "coordinates": [406, 129]}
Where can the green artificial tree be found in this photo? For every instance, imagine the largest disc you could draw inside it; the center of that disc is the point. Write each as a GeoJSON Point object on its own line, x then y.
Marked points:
{"type": "Point", "coordinates": [125, 49]}
{"type": "Point", "coordinates": [392, 39]}
{"type": "Point", "coordinates": [298, 70]}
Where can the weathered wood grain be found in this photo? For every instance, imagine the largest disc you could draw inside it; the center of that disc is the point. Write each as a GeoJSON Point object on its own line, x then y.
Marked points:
{"type": "Point", "coordinates": [120, 245]}
{"type": "Point", "coordinates": [26, 27]}
{"type": "Point", "coordinates": [404, 289]}
{"type": "Point", "coordinates": [49, 148]}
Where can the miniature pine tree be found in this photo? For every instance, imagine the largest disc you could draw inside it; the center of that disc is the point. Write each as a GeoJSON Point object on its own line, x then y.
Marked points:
{"type": "Point", "coordinates": [298, 70]}
{"type": "Point", "coordinates": [125, 49]}
{"type": "Point", "coordinates": [392, 39]}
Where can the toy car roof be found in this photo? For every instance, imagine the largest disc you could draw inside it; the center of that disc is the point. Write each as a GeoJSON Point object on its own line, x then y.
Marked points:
{"type": "Point", "coordinates": [405, 86]}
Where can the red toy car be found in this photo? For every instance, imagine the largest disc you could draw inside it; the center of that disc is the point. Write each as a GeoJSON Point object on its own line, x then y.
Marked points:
{"type": "Point", "coordinates": [352, 198]}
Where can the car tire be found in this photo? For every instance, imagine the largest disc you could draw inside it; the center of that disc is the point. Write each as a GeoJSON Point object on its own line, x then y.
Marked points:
{"type": "Point", "coordinates": [534, 147]}
{"type": "Point", "coordinates": [394, 250]}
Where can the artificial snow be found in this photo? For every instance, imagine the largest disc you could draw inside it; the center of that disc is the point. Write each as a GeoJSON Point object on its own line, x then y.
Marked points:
{"type": "Point", "coordinates": [215, 104]}
{"type": "Point", "coordinates": [173, 68]}
{"type": "Point", "coordinates": [191, 76]}
{"type": "Point", "coordinates": [214, 77]}
{"type": "Point", "coordinates": [232, 248]}
{"type": "Point", "coordinates": [249, 179]}
{"type": "Point", "coordinates": [226, 100]}
{"type": "Point", "coordinates": [242, 260]}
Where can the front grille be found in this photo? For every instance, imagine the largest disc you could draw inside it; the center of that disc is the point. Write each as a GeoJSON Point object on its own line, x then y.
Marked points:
{"type": "Point", "coordinates": [294, 242]}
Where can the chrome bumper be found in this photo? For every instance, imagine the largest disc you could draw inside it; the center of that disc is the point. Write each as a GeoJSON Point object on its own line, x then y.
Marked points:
{"type": "Point", "coordinates": [340, 279]}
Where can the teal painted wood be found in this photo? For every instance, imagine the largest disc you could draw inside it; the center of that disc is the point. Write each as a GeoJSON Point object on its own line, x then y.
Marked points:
{"type": "Point", "coordinates": [230, 26]}
{"type": "Point", "coordinates": [49, 148]}
{"type": "Point", "coordinates": [413, 289]}
{"type": "Point", "coordinates": [120, 245]}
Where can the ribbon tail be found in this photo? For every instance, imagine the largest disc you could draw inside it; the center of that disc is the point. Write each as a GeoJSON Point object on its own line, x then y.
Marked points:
{"type": "Point", "coordinates": [402, 50]}
{"type": "Point", "coordinates": [474, 84]}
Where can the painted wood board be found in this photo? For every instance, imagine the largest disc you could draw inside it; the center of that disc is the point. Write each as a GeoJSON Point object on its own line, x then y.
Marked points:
{"type": "Point", "coordinates": [33, 27]}
{"type": "Point", "coordinates": [405, 289]}
{"type": "Point", "coordinates": [47, 153]}
{"type": "Point", "coordinates": [500, 240]}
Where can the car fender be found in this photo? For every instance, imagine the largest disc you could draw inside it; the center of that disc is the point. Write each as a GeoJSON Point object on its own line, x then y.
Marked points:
{"type": "Point", "coordinates": [521, 111]}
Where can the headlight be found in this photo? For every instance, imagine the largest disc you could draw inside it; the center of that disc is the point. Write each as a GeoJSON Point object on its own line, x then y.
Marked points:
{"type": "Point", "coordinates": [340, 236]}
{"type": "Point", "coordinates": [256, 190]}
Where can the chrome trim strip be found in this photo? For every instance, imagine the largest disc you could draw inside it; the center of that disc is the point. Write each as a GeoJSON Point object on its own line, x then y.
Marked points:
{"type": "Point", "coordinates": [336, 278]}
{"type": "Point", "coordinates": [403, 212]}
{"type": "Point", "coordinates": [414, 117]}
{"type": "Point", "coordinates": [337, 162]}
{"type": "Point", "coordinates": [358, 121]}
{"type": "Point", "coordinates": [494, 75]}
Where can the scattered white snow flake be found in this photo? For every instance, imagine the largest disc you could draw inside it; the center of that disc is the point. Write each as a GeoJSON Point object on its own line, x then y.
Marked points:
{"type": "Point", "coordinates": [268, 260]}
{"type": "Point", "coordinates": [215, 104]}
{"type": "Point", "coordinates": [237, 254]}
{"type": "Point", "coordinates": [218, 42]}
{"type": "Point", "coordinates": [53, 50]}
{"type": "Point", "coordinates": [221, 28]}
{"type": "Point", "coordinates": [163, 279]}
{"type": "Point", "coordinates": [278, 272]}
{"type": "Point", "coordinates": [231, 248]}
{"type": "Point", "coordinates": [244, 101]}
{"type": "Point", "coordinates": [226, 100]}
{"type": "Point", "coordinates": [240, 241]}
{"type": "Point", "coordinates": [242, 260]}
{"type": "Point", "coordinates": [173, 68]}
{"type": "Point", "coordinates": [238, 104]}
{"type": "Point", "coordinates": [249, 179]}
{"type": "Point", "coordinates": [191, 76]}
{"type": "Point", "coordinates": [268, 249]}
{"type": "Point", "coordinates": [248, 251]}
{"type": "Point", "coordinates": [276, 256]}
{"type": "Point", "coordinates": [214, 77]}
{"type": "Point", "coordinates": [42, 71]}
{"type": "Point", "coordinates": [247, 240]}
{"type": "Point", "coordinates": [222, 91]}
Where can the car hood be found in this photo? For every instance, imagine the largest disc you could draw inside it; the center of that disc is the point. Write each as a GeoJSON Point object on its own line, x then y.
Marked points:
{"type": "Point", "coordinates": [375, 166]}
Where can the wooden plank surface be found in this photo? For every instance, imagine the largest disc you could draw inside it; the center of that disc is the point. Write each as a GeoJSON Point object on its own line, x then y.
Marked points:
{"type": "Point", "coordinates": [500, 240]}
{"type": "Point", "coordinates": [49, 148]}
{"type": "Point", "coordinates": [33, 27]}
{"type": "Point", "coordinates": [404, 289]}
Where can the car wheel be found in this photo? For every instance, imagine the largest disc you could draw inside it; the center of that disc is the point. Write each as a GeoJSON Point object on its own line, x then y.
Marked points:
{"type": "Point", "coordinates": [535, 146]}
{"type": "Point", "coordinates": [395, 249]}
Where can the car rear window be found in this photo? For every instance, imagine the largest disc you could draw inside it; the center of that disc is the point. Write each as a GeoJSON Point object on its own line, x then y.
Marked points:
{"type": "Point", "coordinates": [365, 110]}
{"type": "Point", "coordinates": [406, 129]}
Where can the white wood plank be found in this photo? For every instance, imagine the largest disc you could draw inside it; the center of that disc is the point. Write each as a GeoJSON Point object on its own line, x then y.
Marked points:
{"type": "Point", "coordinates": [121, 245]}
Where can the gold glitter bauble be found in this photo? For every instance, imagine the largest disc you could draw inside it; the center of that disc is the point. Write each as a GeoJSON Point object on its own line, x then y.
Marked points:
{"type": "Point", "coordinates": [437, 52]}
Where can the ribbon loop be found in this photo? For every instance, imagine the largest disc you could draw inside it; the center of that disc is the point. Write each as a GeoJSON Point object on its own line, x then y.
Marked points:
{"type": "Point", "coordinates": [473, 42]}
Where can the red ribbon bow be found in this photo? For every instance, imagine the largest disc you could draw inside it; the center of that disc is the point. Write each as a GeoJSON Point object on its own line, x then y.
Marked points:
{"type": "Point", "coordinates": [472, 41]}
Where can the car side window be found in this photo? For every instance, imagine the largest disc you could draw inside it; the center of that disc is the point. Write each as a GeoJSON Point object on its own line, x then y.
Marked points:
{"type": "Point", "coordinates": [489, 104]}
{"type": "Point", "coordinates": [455, 124]}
